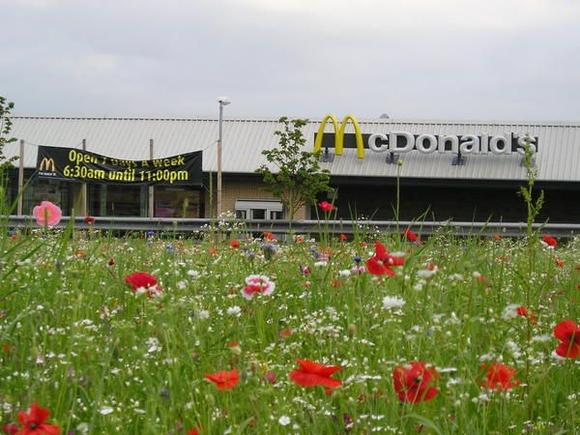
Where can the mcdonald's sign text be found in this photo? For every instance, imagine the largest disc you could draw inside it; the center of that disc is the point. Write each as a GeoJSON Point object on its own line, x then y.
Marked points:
{"type": "Point", "coordinates": [400, 142]}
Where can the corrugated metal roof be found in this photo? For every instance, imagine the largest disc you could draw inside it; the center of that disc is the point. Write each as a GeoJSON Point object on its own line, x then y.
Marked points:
{"type": "Point", "coordinates": [558, 158]}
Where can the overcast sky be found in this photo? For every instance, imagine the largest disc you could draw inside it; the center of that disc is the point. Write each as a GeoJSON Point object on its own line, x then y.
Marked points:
{"type": "Point", "coordinates": [428, 59]}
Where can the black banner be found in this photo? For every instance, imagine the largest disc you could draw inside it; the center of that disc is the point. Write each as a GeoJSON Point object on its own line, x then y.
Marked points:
{"type": "Point", "coordinates": [75, 165]}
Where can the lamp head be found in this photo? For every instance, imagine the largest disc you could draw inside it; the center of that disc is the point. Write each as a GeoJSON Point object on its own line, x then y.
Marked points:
{"type": "Point", "coordinates": [224, 101]}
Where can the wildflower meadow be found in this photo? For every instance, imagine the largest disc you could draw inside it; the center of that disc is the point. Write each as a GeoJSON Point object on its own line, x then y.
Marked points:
{"type": "Point", "coordinates": [246, 334]}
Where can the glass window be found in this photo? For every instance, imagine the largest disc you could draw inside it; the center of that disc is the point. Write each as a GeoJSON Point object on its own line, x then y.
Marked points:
{"type": "Point", "coordinates": [241, 214]}
{"type": "Point", "coordinates": [178, 202]}
{"type": "Point", "coordinates": [276, 215]}
{"type": "Point", "coordinates": [258, 213]}
{"type": "Point", "coordinates": [40, 189]}
{"type": "Point", "coordinates": [117, 200]}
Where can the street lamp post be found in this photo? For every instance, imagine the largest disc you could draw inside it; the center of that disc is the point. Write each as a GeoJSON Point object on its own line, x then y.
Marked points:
{"type": "Point", "coordinates": [223, 101]}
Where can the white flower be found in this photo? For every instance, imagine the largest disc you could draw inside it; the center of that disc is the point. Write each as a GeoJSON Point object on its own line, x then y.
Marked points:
{"type": "Point", "coordinates": [344, 273]}
{"type": "Point", "coordinates": [193, 273]}
{"type": "Point", "coordinates": [106, 410]}
{"type": "Point", "coordinates": [284, 420]}
{"type": "Point", "coordinates": [542, 338]}
{"type": "Point", "coordinates": [83, 428]}
{"type": "Point", "coordinates": [514, 348]}
{"type": "Point", "coordinates": [234, 311]}
{"type": "Point", "coordinates": [426, 273]}
{"type": "Point", "coordinates": [390, 302]}
{"type": "Point", "coordinates": [140, 291]}
{"type": "Point", "coordinates": [153, 345]}
{"type": "Point", "coordinates": [321, 264]}
{"type": "Point", "coordinates": [203, 314]}
{"type": "Point", "coordinates": [510, 312]}
{"type": "Point", "coordinates": [181, 285]}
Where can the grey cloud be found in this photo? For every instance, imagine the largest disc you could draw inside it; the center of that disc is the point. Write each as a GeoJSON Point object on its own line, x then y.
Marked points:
{"type": "Point", "coordinates": [405, 58]}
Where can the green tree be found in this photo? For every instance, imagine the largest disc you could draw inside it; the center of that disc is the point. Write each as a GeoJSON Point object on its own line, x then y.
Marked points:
{"type": "Point", "coordinates": [296, 177]}
{"type": "Point", "coordinates": [5, 127]}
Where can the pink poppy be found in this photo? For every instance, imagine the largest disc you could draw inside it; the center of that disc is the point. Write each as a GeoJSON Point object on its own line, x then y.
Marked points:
{"type": "Point", "coordinates": [47, 214]}
{"type": "Point", "coordinates": [258, 284]}
{"type": "Point", "coordinates": [326, 206]}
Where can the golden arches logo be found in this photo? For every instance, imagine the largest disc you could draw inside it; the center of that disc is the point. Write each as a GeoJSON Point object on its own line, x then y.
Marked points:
{"type": "Point", "coordinates": [339, 134]}
{"type": "Point", "coordinates": [47, 164]}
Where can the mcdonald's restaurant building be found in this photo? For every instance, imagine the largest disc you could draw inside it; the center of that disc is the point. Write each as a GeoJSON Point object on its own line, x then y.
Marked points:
{"type": "Point", "coordinates": [465, 171]}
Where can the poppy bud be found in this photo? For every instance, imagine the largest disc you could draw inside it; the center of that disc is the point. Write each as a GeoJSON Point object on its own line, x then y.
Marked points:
{"type": "Point", "coordinates": [270, 377]}
{"type": "Point", "coordinates": [351, 329]}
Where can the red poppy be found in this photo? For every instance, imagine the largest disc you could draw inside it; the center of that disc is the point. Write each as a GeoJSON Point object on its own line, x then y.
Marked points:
{"type": "Point", "coordinates": [500, 377]}
{"type": "Point", "coordinates": [496, 237]}
{"type": "Point", "coordinates": [235, 243]}
{"type": "Point", "coordinates": [342, 237]}
{"type": "Point", "coordinates": [212, 250]}
{"type": "Point", "coordinates": [559, 262]}
{"type": "Point", "coordinates": [140, 279]}
{"type": "Point", "coordinates": [143, 280]}
{"type": "Point", "coordinates": [89, 220]}
{"type": "Point", "coordinates": [381, 262]}
{"type": "Point", "coordinates": [10, 429]}
{"type": "Point", "coordinates": [412, 382]}
{"type": "Point", "coordinates": [524, 312]}
{"type": "Point", "coordinates": [267, 235]}
{"type": "Point", "coordinates": [410, 235]}
{"type": "Point", "coordinates": [336, 283]}
{"type": "Point", "coordinates": [193, 431]}
{"type": "Point", "coordinates": [33, 422]}
{"type": "Point", "coordinates": [312, 374]}
{"type": "Point", "coordinates": [326, 206]}
{"type": "Point", "coordinates": [549, 240]}
{"type": "Point", "coordinates": [285, 333]}
{"type": "Point", "coordinates": [568, 332]}
{"type": "Point", "coordinates": [224, 380]}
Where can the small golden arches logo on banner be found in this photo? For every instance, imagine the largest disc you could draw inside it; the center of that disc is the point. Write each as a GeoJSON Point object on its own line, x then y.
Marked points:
{"type": "Point", "coordinates": [47, 165]}
{"type": "Point", "coordinates": [339, 129]}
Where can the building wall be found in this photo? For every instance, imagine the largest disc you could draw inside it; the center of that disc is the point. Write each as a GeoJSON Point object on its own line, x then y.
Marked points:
{"type": "Point", "coordinates": [235, 188]}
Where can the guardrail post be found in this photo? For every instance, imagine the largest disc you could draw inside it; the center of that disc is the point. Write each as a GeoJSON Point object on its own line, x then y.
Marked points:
{"type": "Point", "coordinates": [21, 178]}
{"type": "Point", "coordinates": [84, 189]}
{"type": "Point", "coordinates": [151, 188]}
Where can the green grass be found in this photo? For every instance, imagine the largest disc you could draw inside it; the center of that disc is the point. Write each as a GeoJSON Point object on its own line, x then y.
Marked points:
{"type": "Point", "coordinates": [79, 342]}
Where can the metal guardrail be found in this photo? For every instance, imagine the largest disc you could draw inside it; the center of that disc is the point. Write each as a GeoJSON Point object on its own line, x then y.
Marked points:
{"type": "Point", "coordinates": [181, 225]}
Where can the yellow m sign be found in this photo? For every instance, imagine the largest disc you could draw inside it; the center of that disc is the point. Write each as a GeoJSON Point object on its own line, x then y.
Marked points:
{"type": "Point", "coordinates": [339, 135]}
{"type": "Point", "coordinates": [47, 164]}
